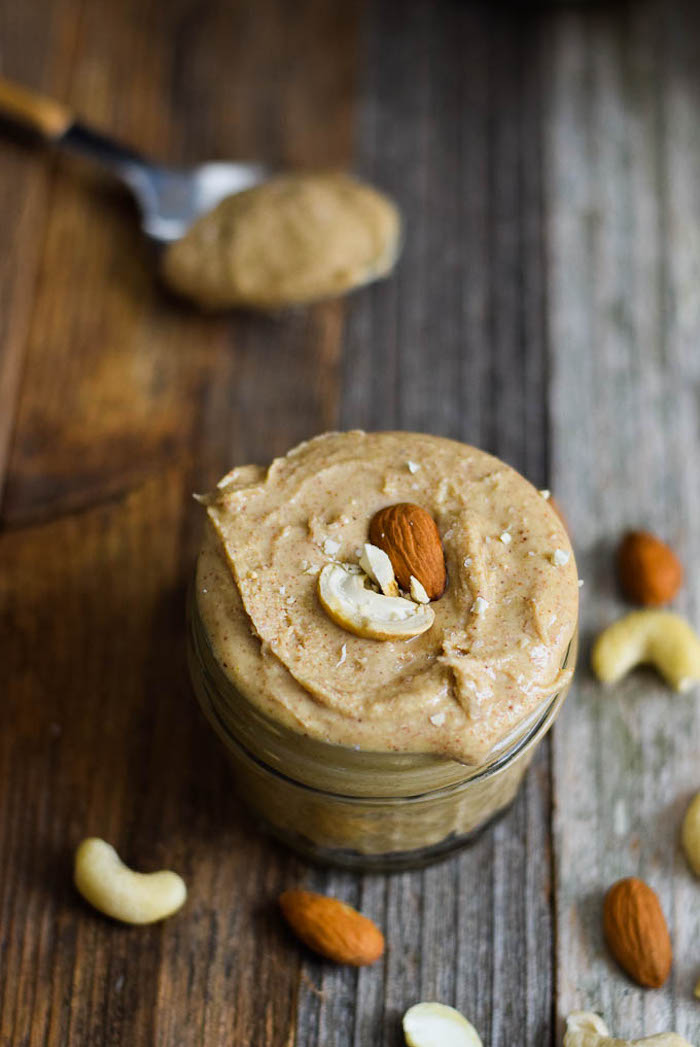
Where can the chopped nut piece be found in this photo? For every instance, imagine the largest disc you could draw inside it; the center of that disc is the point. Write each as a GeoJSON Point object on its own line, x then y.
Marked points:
{"type": "Point", "coordinates": [560, 557]}
{"type": "Point", "coordinates": [479, 605]}
{"type": "Point", "coordinates": [506, 538]}
{"type": "Point", "coordinates": [331, 547]}
{"type": "Point", "coordinates": [546, 494]}
{"type": "Point", "coordinates": [418, 592]}
{"type": "Point", "coordinates": [343, 655]}
{"type": "Point", "coordinates": [375, 563]}
{"type": "Point", "coordinates": [437, 719]}
{"type": "Point", "coordinates": [413, 467]}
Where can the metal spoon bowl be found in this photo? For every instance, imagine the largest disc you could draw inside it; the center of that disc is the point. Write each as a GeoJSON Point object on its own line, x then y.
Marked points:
{"type": "Point", "coordinates": [169, 198]}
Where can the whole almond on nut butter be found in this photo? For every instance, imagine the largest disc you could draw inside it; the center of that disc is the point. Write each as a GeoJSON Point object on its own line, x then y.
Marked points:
{"type": "Point", "coordinates": [650, 572]}
{"type": "Point", "coordinates": [410, 538]}
{"type": "Point", "coordinates": [332, 928]}
{"type": "Point", "coordinates": [635, 930]}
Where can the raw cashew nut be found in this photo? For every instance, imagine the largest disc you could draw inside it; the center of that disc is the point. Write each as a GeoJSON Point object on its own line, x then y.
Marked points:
{"type": "Point", "coordinates": [350, 604]}
{"type": "Point", "coordinates": [117, 891]}
{"type": "Point", "coordinates": [659, 638]}
{"type": "Point", "coordinates": [585, 1029]}
{"type": "Point", "coordinates": [690, 834]}
{"type": "Point", "coordinates": [437, 1025]}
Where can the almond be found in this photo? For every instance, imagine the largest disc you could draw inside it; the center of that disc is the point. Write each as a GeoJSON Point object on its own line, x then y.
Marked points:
{"type": "Point", "coordinates": [410, 538]}
{"type": "Point", "coordinates": [635, 930]}
{"type": "Point", "coordinates": [650, 572]}
{"type": "Point", "coordinates": [332, 928]}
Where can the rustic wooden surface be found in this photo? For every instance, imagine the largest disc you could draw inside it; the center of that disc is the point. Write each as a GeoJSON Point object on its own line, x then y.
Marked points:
{"type": "Point", "coordinates": [546, 307]}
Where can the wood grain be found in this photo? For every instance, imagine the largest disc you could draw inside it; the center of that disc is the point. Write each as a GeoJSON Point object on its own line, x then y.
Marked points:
{"type": "Point", "coordinates": [113, 375]}
{"type": "Point", "coordinates": [545, 308]}
{"type": "Point", "coordinates": [449, 123]}
{"type": "Point", "coordinates": [623, 213]}
{"type": "Point", "coordinates": [128, 403]}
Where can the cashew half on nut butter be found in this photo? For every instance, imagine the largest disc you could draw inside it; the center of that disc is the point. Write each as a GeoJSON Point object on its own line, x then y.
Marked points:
{"type": "Point", "coordinates": [660, 638]}
{"type": "Point", "coordinates": [586, 1029]}
{"type": "Point", "coordinates": [119, 892]}
{"type": "Point", "coordinates": [346, 599]}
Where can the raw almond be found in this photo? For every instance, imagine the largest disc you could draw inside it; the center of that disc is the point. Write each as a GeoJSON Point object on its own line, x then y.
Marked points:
{"type": "Point", "coordinates": [409, 536]}
{"type": "Point", "coordinates": [635, 930]}
{"type": "Point", "coordinates": [650, 572]}
{"type": "Point", "coordinates": [332, 928]}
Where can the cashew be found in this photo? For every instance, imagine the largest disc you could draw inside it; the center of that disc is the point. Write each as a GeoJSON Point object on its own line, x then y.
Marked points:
{"type": "Point", "coordinates": [661, 638]}
{"type": "Point", "coordinates": [585, 1029]}
{"type": "Point", "coordinates": [437, 1025]}
{"type": "Point", "coordinates": [119, 892]}
{"type": "Point", "coordinates": [690, 834]}
{"type": "Point", "coordinates": [361, 611]}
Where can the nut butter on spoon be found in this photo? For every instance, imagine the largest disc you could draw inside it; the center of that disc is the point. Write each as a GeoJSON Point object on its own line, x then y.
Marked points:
{"type": "Point", "coordinates": [233, 234]}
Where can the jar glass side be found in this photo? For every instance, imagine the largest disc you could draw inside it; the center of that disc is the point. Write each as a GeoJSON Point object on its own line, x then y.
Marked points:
{"type": "Point", "coordinates": [366, 810]}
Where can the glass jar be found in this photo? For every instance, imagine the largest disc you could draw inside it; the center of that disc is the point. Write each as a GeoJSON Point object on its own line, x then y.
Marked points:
{"type": "Point", "coordinates": [379, 811]}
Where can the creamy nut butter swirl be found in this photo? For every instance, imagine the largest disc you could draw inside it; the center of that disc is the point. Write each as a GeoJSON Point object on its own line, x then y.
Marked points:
{"type": "Point", "coordinates": [501, 629]}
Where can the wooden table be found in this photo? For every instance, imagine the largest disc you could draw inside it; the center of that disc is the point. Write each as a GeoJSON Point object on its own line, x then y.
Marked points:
{"type": "Point", "coordinates": [547, 307]}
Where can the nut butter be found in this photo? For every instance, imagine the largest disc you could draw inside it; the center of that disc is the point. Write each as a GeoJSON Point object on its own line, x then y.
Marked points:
{"type": "Point", "coordinates": [380, 752]}
{"type": "Point", "coordinates": [294, 239]}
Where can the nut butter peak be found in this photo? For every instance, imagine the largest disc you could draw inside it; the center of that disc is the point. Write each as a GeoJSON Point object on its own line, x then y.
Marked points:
{"type": "Point", "coordinates": [409, 536]}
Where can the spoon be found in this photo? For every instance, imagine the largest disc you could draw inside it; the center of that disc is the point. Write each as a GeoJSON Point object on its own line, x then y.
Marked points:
{"type": "Point", "coordinates": [169, 198]}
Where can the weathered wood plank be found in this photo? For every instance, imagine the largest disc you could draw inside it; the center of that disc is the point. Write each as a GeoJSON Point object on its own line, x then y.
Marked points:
{"type": "Point", "coordinates": [25, 189]}
{"type": "Point", "coordinates": [113, 374]}
{"type": "Point", "coordinates": [450, 125]}
{"type": "Point", "coordinates": [623, 208]}
{"type": "Point", "coordinates": [107, 741]}
{"type": "Point", "coordinates": [127, 395]}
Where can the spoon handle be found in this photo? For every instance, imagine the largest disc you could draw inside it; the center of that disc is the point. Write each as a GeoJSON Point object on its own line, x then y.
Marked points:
{"type": "Point", "coordinates": [49, 118]}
